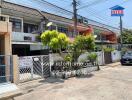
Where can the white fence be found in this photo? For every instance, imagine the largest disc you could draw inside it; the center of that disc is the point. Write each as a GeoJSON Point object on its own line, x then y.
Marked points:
{"type": "Point", "coordinates": [100, 58]}
{"type": "Point", "coordinates": [115, 56]}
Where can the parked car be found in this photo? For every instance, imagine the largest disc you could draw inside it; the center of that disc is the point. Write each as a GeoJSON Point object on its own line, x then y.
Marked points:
{"type": "Point", "coordinates": [127, 58]}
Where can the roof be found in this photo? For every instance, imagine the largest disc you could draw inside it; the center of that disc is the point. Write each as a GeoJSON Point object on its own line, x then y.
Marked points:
{"type": "Point", "coordinates": [117, 7]}
{"type": "Point", "coordinates": [31, 13]}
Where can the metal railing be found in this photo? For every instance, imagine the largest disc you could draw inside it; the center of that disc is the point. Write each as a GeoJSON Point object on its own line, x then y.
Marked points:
{"type": "Point", "coordinates": [33, 67]}
{"type": "Point", "coordinates": [6, 68]}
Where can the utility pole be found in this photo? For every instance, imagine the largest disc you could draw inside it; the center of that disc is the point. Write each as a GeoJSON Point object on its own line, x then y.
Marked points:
{"type": "Point", "coordinates": [0, 6]}
{"type": "Point", "coordinates": [119, 12]}
{"type": "Point", "coordinates": [121, 31]}
{"type": "Point", "coordinates": [75, 17]}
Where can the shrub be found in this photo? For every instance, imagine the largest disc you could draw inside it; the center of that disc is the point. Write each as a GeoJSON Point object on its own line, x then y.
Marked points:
{"type": "Point", "coordinates": [107, 49]}
{"type": "Point", "coordinates": [92, 57]}
{"type": "Point", "coordinates": [55, 40]}
{"type": "Point", "coordinates": [54, 44]}
{"type": "Point", "coordinates": [82, 43]}
{"type": "Point", "coordinates": [89, 43]}
{"type": "Point", "coordinates": [47, 36]}
{"type": "Point", "coordinates": [68, 57]}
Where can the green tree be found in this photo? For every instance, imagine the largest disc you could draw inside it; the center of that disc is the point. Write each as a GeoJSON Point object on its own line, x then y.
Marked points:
{"type": "Point", "coordinates": [82, 43]}
{"type": "Point", "coordinates": [89, 43]}
{"type": "Point", "coordinates": [127, 36]}
{"type": "Point", "coordinates": [54, 44]}
{"type": "Point", "coordinates": [63, 40]}
{"type": "Point", "coordinates": [47, 36]}
{"type": "Point", "coordinates": [55, 40]}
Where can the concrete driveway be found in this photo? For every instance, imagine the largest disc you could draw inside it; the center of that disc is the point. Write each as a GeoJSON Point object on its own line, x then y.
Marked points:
{"type": "Point", "coordinates": [111, 83]}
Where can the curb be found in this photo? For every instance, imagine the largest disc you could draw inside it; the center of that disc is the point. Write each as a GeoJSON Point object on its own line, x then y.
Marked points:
{"type": "Point", "coordinates": [10, 95]}
{"type": "Point", "coordinates": [113, 64]}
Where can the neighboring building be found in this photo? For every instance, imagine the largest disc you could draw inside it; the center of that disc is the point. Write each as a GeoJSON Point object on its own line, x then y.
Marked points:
{"type": "Point", "coordinates": [27, 25]}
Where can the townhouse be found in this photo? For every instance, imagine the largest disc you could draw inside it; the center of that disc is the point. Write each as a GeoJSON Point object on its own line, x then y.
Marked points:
{"type": "Point", "coordinates": [28, 23]}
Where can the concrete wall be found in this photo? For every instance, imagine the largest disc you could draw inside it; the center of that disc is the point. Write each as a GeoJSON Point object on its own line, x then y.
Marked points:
{"type": "Point", "coordinates": [15, 69]}
{"type": "Point", "coordinates": [100, 58]}
{"type": "Point", "coordinates": [116, 55]}
{"type": "Point", "coordinates": [5, 27]}
{"type": "Point", "coordinates": [5, 36]}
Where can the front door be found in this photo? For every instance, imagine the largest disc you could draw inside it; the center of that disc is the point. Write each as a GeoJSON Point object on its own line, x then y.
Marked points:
{"type": "Point", "coordinates": [2, 70]}
{"type": "Point", "coordinates": [2, 60]}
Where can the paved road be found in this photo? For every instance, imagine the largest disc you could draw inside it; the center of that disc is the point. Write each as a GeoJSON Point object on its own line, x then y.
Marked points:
{"type": "Point", "coordinates": [107, 84]}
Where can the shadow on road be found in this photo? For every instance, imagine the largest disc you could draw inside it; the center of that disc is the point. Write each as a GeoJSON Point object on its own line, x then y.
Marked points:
{"type": "Point", "coordinates": [59, 80]}
{"type": "Point", "coordinates": [52, 80]}
{"type": "Point", "coordinates": [86, 76]}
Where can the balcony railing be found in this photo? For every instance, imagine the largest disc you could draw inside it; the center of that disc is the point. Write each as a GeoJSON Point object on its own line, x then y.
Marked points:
{"type": "Point", "coordinates": [25, 37]}
{"type": "Point", "coordinates": [99, 41]}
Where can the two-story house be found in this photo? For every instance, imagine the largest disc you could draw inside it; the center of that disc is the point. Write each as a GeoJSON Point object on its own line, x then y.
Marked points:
{"type": "Point", "coordinates": [27, 23]}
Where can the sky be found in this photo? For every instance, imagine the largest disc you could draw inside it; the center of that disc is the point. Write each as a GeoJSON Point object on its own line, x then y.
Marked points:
{"type": "Point", "coordinates": [101, 12]}
{"type": "Point", "coordinates": [97, 10]}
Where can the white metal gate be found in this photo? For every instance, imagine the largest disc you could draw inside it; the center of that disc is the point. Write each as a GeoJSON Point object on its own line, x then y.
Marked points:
{"type": "Point", "coordinates": [33, 67]}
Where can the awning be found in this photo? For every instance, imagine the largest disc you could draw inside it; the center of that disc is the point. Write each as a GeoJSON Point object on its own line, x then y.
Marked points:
{"type": "Point", "coordinates": [27, 43]}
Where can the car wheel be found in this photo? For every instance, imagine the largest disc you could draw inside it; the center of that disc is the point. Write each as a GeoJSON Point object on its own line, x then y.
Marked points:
{"type": "Point", "coordinates": [122, 64]}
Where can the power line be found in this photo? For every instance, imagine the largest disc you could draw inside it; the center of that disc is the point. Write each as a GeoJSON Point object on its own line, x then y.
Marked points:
{"type": "Point", "coordinates": [118, 4]}
{"type": "Point", "coordinates": [97, 16]}
{"type": "Point", "coordinates": [80, 15]}
{"type": "Point", "coordinates": [91, 4]}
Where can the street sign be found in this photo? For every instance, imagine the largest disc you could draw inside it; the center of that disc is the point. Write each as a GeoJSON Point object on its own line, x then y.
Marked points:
{"type": "Point", "coordinates": [117, 11]}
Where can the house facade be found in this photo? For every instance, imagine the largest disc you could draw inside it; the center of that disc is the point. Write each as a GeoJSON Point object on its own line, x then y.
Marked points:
{"type": "Point", "coordinates": [28, 23]}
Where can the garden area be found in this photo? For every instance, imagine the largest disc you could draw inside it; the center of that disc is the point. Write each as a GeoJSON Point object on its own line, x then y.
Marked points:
{"type": "Point", "coordinates": [67, 56]}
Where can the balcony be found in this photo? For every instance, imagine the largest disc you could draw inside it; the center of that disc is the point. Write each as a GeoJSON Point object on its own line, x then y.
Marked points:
{"type": "Point", "coordinates": [24, 37]}
{"type": "Point", "coordinates": [5, 27]}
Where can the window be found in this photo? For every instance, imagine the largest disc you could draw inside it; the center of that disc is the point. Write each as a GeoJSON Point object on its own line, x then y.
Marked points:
{"type": "Point", "coordinates": [52, 27]}
{"type": "Point", "coordinates": [62, 29]}
{"type": "Point", "coordinates": [104, 38]}
{"type": "Point", "coordinates": [16, 24]}
{"type": "Point", "coordinates": [2, 18]}
{"type": "Point", "coordinates": [30, 28]}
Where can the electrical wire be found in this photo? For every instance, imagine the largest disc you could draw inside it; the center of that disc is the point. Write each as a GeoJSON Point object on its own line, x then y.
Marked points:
{"type": "Point", "coordinates": [91, 4]}
{"type": "Point", "coordinates": [109, 7]}
{"type": "Point", "coordinates": [96, 16]}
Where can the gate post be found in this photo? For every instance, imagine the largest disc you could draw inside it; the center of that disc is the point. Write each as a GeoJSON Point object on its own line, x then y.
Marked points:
{"type": "Point", "coordinates": [15, 69]}
{"type": "Point", "coordinates": [42, 64]}
{"type": "Point", "coordinates": [31, 72]}
{"type": "Point", "coordinates": [50, 62]}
